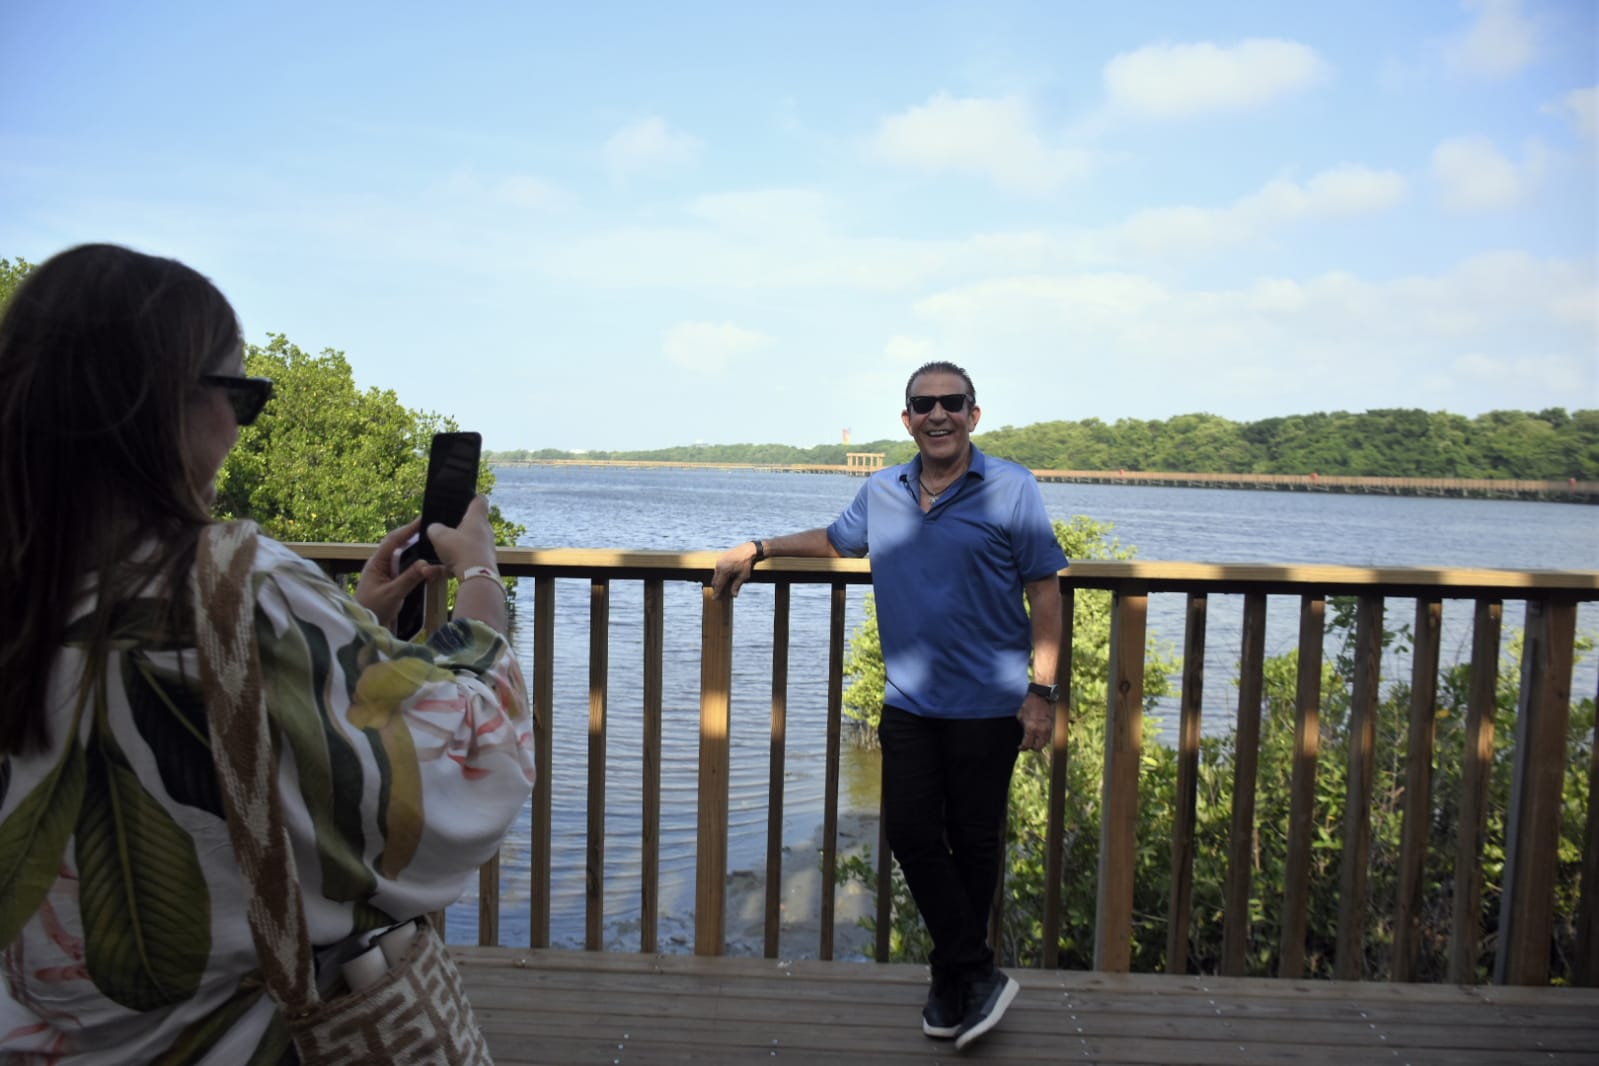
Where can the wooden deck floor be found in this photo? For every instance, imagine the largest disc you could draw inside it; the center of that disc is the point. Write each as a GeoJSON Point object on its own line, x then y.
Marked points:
{"type": "Point", "coordinates": [566, 1007]}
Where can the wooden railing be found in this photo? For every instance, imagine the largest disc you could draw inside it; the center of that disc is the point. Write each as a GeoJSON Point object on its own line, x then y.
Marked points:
{"type": "Point", "coordinates": [1522, 944]}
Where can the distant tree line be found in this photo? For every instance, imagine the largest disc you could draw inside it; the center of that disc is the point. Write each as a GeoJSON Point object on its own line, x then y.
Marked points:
{"type": "Point", "coordinates": [1551, 445]}
{"type": "Point", "coordinates": [821, 454]}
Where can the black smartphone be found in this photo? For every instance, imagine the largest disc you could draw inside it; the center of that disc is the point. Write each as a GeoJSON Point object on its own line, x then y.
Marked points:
{"type": "Point", "coordinates": [452, 482]}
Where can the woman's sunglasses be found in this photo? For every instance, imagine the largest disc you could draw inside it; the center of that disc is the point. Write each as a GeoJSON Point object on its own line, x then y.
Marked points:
{"type": "Point", "coordinates": [245, 395]}
{"type": "Point", "coordinates": [954, 403]}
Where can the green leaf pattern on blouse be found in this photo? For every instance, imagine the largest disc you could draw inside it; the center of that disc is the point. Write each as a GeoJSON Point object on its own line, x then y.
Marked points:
{"type": "Point", "coordinates": [122, 927]}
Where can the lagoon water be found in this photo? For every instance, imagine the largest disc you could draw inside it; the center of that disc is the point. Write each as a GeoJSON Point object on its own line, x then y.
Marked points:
{"type": "Point", "coordinates": [693, 510]}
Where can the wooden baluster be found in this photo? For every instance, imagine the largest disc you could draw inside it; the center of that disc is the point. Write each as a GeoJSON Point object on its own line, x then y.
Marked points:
{"type": "Point", "coordinates": [716, 684]}
{"type": "Point", "coordinates": [1307, 748]}
{"type": "Point", "coordinates": [654, 691]}
{"type": "Point", "coordinates": [1532, 827]}
{"type": "Point", "coordinates": [1055, 835]}
{"type": "Point", "coordinates": [1418, 788]}
{"type": "Point", "coordinates": [835, 728]}
{"type": "Point", "coordinates": [1587, 965]}
{"type": "Point", "coordinates": [488, 902]}
{"type": "Point", "coordinates": [1246, 764]}
{"type": "Point", "coordinates": [776, 760]}
{"type": "Point", "coordinates": [885, 878]}
{"type": "Point", "coordinates": [544, 748]}
{"type": "Point", "coordinates": [594, 855]}
{"type": "Point", "coordinates": [1118, 851]}
{"type": "Point", "coordinates": [1179, 913]}
{"type": "Point", "coordinates": [1350, 963]}
{"type": "Point", "coordinates": [1482, 702]}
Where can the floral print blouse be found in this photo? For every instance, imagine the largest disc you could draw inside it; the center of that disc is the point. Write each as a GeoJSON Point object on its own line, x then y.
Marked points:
{"type": "Point", "coordinates": [121, 907]}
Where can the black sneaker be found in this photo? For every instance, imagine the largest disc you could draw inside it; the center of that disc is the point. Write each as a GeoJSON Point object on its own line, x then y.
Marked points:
{"type": "Point", "coordinates": [986, 999]}
{"type": "Point", "coordinates": [942, 1017]}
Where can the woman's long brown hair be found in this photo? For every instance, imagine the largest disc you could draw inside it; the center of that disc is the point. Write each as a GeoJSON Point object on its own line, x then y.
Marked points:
{"type": "Point", "coordinates": [101, 351]}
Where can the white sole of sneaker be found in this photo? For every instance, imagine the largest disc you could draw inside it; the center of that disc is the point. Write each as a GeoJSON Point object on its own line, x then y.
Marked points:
{"type": "Point", "coordinates": [1006, 995]}
{"type": "Point", "coordinates": [940, 1032]}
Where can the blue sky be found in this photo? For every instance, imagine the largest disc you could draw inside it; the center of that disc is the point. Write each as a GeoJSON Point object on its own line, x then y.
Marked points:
{"type": "Point", "coordinates": [618, 225]}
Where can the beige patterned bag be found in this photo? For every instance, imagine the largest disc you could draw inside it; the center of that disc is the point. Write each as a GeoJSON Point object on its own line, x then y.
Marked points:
{"type": "Point", "coordinates": [417, 1014]}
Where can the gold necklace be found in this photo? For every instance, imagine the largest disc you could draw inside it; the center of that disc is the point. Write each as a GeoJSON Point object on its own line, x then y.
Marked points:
{"type": "Point", "coordinates": [933, 496]}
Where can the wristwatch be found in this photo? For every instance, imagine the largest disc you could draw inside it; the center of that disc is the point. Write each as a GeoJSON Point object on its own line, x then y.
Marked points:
{"type": "Point", "coordinates": [1049, 692]}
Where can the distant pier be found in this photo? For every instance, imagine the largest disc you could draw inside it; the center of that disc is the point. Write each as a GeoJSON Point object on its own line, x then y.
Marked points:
{"type": "Point", "coordinates": [863, 463]}
{"type": "Point", "coordinates": [1570, 490]}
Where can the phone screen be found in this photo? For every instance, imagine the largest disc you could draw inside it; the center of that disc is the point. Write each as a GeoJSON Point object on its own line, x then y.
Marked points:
{"type": "Point", "coordinates": [451, 484]}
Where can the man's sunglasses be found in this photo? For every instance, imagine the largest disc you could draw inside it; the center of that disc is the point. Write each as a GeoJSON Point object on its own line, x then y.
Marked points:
{"type": "Point", "coordinates": [245, 395]}
{"type": "Point", "coordinates": [954, 403]}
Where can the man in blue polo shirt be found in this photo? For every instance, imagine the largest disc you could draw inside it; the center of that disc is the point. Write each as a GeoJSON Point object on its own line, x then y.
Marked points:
{"type": "Point", "coordinates": [956, 538]}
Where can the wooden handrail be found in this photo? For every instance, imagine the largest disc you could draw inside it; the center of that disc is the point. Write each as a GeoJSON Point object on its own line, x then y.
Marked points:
{"type": "Point", "coordinates": [1525, 924]}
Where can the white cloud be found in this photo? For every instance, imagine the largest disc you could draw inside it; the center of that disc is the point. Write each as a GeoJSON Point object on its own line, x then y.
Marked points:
{"type": "Point", "coordinates": [1476, 177]}
{"type": "Point", "coordinates": [760, 212]}
{"type": "Point", "coordinates": [522, 190]}
{"type": "Point", "coordinates": [1552, 374]}
{"type": "Point", "coordinates": [911, 352]}
{"type": "Point", "coordinates": [1582, 106]}
{"type": "Point", "coordinates": [1500, 42]}
{"type": "Point", "coordinates": [1182, 80]}
{"type": "Point", "coordinates": [1339, 192]}
{"type": "Point", "coordinates": [1507, 321]}
{"type": "Point", "coordinates": [516, 190]}
{"type": "Point", "coordinates": [996, 139]}
{"type": "Point", "coordinates": [648, 145]}
{"type": "Point", "coordinates": [710, 347]}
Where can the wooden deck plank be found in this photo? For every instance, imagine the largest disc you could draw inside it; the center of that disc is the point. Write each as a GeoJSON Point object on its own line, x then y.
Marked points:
{"type": "Point", "coordinates": [551, 1006]}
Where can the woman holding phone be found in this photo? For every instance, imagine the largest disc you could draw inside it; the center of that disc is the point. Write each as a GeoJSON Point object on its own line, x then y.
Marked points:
{"type": "Point", "coordinates": [123, 928]}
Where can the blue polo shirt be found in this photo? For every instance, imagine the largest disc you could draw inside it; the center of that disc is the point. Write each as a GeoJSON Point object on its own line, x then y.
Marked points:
{"type": "Point", "coordinates": [957, 640]}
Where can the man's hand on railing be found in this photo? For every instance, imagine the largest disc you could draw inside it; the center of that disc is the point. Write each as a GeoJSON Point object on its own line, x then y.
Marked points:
{"type": "Point", "coordinates": [733, 568]}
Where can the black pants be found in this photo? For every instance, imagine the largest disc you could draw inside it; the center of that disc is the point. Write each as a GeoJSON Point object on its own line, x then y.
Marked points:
{"type": "Point", "coordinates": [945, 785]}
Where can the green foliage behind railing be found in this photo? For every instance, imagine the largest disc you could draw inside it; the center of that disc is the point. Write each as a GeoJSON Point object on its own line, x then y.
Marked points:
{"type": "Point", "coordinates": [327, 461]}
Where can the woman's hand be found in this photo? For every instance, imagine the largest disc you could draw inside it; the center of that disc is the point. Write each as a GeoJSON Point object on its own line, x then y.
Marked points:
{"type": "Point", "coordinates": [469, 544]}
{"type": "Point", "coordinates": [383, 586]}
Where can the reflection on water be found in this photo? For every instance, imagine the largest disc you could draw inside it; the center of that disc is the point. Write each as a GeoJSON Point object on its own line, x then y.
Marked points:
{"type": "Point", "coordinates": [681, 510]}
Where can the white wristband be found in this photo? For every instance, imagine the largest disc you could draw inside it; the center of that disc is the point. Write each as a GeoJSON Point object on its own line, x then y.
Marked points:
{"type": "Point", "coordinates": [486, 572]}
